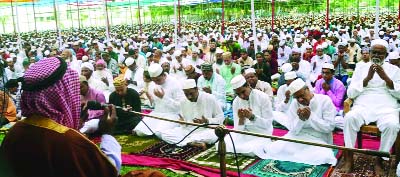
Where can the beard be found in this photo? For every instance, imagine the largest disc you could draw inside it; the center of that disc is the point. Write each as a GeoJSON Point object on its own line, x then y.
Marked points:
{"type": "Point", "coordinates": [212, 50]}
{"type": "Point", "coordinates": [219, 61]}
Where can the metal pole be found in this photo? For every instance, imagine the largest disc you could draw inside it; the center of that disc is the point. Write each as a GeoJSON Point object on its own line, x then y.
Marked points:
{"type": "Point", "coordinates": [377, 20]}
{"type": "Point", "coordinates": [253, 24]}
{"type": "Point", "coordinates": [130, 10]}
{"type": "Point", "coordinates": [56, 19]}
{"type": "Point", "coordinates": [18, 29]}
{"type": "Point", "coordinates": [179, 16]}
{"type": "Point", "coordinates": [79, 17]}
{"type": "Point", "coordinates": [327, 14]}
{"type": "Point", "coordinates": [175, 24]}
{"type": "Point", "coordinates": [358, 11]}
{"type": "Point", "coordinates": [223, 19]}
{"type": "Point", "coordinates": [220, 132]}
{"type": "Point", "coordinates": [140, 21]}
{"type": "Point", "coordinates": [273, 14]}
{"type": "Point", "coordinates": [107, 22]}
{"type": "Point", "coordinates": [34, 14]}
{"type": "Point", "coordinates": [12, 15]}
{"type": "Point", "coordinates": [398, 17]}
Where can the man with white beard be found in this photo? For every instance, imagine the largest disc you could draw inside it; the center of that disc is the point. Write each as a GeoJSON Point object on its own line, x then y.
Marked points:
{"type": "Point", "coordinates": [166, 96]}
{"type": "Point", "coordinates": [87, 70]}
{"type": "Point", "coordinates": [103, 74]}
{"type": "Point", "coordinates": [134, 75]}
{"type": "Point", "coordinates": [199, 107]}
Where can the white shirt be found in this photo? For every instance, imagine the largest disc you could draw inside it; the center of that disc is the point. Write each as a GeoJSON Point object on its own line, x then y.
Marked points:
{"type": "Point", "coordinates": [217, 85]}
{"type": "Point", "coordinates": [135, 76]}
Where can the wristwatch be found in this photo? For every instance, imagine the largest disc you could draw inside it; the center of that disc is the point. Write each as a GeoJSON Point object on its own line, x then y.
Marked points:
{"type": "Point", "coordinates": [252, 117]}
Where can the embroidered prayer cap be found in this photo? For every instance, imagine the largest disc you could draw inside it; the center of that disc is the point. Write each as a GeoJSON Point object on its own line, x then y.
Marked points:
{"type": "Point", "coordinates": [238, 81]}
{"type": "Point", "coordinates": [51, 89]}
{"type": "Point", "coordinates": [290, 75]}
{"type": "Point", "coordinates": [189, 69]}
{"type": "Point", "coordinates": [129, 61]}
{"type": "Point", "coordinates": [155, 70]}
{"type": "Point", "coordinates": [328, 66]}
{"type": "Point", "coordinates": [119, 81]}
{"type": "Point", "coordinates": [286, 67]}
{"type": "Point", "coordinates": [189, 83]}
{"type": "Point", "coordinates": [206, 67]}
{"type": "Point", "coordinates": [380, 42]}
{"type": "Point", "coordinates": [87, 65]}
{"type": "Point", "coordinates": [296, 85]}
{"type": "Point", "coordinates": [250, 70]}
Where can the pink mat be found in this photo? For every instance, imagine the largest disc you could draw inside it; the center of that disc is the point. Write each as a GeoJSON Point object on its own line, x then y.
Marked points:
{"type": "Point", "coordinates": [369, 142]}
{"type": "Point", "coordinates": [174, 164]}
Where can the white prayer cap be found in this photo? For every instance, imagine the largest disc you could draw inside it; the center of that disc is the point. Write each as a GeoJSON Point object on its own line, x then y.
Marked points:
{"type": "Point", "coordinates": [393, 55]}
{"type": "Point", "coordinates": [288, 36]}
{"type": "Point", "coordinates": [129, 61]}
{"type": "Point", "coordinates": [328, 66]}
{"type": "Point", "coordinates": [85, 58]}
{"type": "Point", "coordinates": [302, 36]}
{"type": "Point", "coordinates": [148, 54]}
{"type": "Point", "coordinates": [323, 36]}
{"type": "Point", "coordinates": [196, 50]}
{"type": "Point", "coordinates": [358, 25]}
{"type": "Point", "coordinates": [88, 66]}
{"type": "Point", "coordinates": [308, 46]}
{"type": "Point", "coordinates": [287, 67]}
{"type": "Point", "coordinates": [47, 52]}
{"type": "Point", "coordinates": [189, 83]}
{"type": "Point", "coordinates": [319, 47]}
{"type": "Point", "coordinates": [290, 75]}
{"type": "Point", "coordinates": [238, 81]}
{"type": "Point", "coordinates": [259, 35]}
{"type": "Point", "coordinates": [324, 45]}
{"type": "Point", "coordinates": [296, 85]}
{"type": "Point", "coordinates": [381, 33]}
{"type": "Point", "coordinates": [12, 55]}
{"type": "Point", "coordinates": [297, 50]}
{"type": "Point", "coordinates": [177, 53]}
{"type": "Point", "coordinates": [352, 40]}
{"type": "Point", "coordinates": [275, 76]}
{"type": "Point", "coordinates": [155, 70]}
{"type": "Point", "coordinates": [297, 40]}
{"type": "Point", "coordinates": [9, 59]}
{"type": "Point", "coordinates": [380, 42]}
{"type": "Point", "coordinates": [342, 43]}
{"type": "Point", "coordinates": [219, 51]}
{"type": "Point", "coordinates": [250, 70]}
{"type": "Point", "coordinates": [76, 43]}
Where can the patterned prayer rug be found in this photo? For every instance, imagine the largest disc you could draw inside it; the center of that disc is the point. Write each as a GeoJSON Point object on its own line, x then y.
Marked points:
{"type": "Point", "coordinates": [166, 172]}
{"type": "Point", "coordinates": [165, 150]}
{"type": "Point", "coordinates": [210, 158]}
{"type": "Point", "coordinates": [135, 144]}
{"type": "Point", "coordinates": [278, 168]}
{"type": "Point", "coordinates": [363, 167]}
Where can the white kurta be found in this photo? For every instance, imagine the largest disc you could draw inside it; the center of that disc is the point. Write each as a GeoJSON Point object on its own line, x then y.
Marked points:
{"type": "Point", "coordinates": [261, 107]}
{"type": "Point", "coordinates": [100, 86]}
{"type": "Point", "coordinates": [167, 107]}
{"type": "Point", "coordinates": [206, 106]}
{"type": "Point", "coordinates": [264, 87]}
{"type": "Point", "coordinates": [375, 102]}
{"type": "Point", "coordinates": [281, 108]}
{"type": "Point", "coordinates": [138, 77]}
{"type": "Point", "coordinates": [217, 85]}
{"type": "Point", "coordinates": [318, 128]}
{"type": "Point", "coordinates": [319, 61]}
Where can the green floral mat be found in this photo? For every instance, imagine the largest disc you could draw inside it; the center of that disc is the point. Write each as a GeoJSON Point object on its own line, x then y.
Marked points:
{"type": "Point", "coordinates": [135, 144]}
{"type": "Point", "coordinates": [210, 158]}
{"type": "Point", "coordinates": [278, 168]}
{"type": "Point", "coordinates": [167, 172]}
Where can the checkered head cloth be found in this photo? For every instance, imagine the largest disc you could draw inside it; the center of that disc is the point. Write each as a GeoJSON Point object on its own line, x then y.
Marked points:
{"type": "Point", "coordinates": [58, 97]}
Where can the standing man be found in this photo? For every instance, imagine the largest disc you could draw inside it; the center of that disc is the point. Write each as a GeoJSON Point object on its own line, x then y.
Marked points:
{"type": "Point", "coordinates": [199, 107]}
{"type": "Point", "coordinates": [375, 88]}
{"type": "Point", "coordinates": [252, 111]}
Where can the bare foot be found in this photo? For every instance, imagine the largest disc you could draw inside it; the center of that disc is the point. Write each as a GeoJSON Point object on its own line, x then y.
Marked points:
{"type": "Point", "coordinates": [379, 167]}
{"type": "Point", "coordinates": [199, 144]}
{"type": "Point", "coordinates": [347, 167]}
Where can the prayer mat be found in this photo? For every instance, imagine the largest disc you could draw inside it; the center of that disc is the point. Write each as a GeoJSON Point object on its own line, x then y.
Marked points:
{"type": "Point", "coordinates": [210, 158]}
{"type": "Point", "coordinates": [166, 172]}
{"type": "Point", "coordinates": [135, 144]}
{"type": "Point", "coordinates": [165, 150]}
{"type": "Point", "coordinates": [363, 167]}
{"type": "Point", "coordinates": [2, 135]}
{"type": "Point", "coordinates": [278, 168]}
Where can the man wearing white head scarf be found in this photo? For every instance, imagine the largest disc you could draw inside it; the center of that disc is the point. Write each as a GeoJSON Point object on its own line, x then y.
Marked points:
{"type": "Point", "coordinates": [198, 107]}
{"type": "Point", "coordinates": [311, 118]}
{"type": "Point", "coordinates": [87, 70]}
{"type": "Point", "coordinates": [252, 111]}
{"type": "Point", "coordinates": [375, 88]}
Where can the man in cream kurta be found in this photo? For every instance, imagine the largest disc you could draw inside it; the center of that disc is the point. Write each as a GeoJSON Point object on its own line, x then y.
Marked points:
{"type": "Point", "coordinates": [212, 83]}
{"type": "Point", "coordinates": [312, 118]}
{"type": "Point", "coordinates": [375, 88]}
{"type": "Point", "coordinates": [252, 111]}
{"type": "Point", "coordinates": [199, 107]}
{"type": "Point", "coordinates": [166, 94]}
